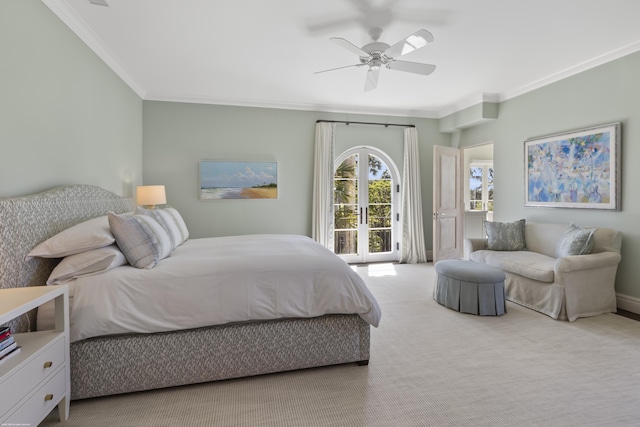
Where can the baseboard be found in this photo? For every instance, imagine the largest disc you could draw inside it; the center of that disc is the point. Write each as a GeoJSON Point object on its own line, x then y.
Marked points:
{"type": "Point", "coordinates": [429, 256]}
{"type": "Point", "coordinates": [628, 303]}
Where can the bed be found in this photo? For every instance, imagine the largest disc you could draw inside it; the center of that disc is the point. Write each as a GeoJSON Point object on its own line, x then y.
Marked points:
{"type": "Point", "coordinates": [143, 357]}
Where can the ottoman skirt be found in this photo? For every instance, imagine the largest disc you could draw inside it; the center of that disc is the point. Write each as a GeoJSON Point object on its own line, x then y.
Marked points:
{"type": "Point", "coordinates": [470, 287]}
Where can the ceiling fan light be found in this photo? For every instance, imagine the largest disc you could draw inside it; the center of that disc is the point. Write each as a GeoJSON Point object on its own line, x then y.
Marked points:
{"type": "Point", "coordinates": [375, 64]}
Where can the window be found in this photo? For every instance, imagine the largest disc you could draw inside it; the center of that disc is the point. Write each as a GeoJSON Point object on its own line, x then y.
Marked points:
{"type": "Point", "coordinates": [481, 186]}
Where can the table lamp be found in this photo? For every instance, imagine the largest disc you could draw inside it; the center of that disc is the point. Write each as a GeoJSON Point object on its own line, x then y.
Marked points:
{"type": "Point", "coordinates": [151, 195]}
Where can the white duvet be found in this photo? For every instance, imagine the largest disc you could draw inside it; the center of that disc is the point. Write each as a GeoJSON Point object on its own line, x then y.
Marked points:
{"type": "Point", "coordinates": [219, 280]}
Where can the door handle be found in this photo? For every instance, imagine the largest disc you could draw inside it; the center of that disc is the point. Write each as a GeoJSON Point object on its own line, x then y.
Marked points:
{"type": "Point", "coordinates": [366, 215]}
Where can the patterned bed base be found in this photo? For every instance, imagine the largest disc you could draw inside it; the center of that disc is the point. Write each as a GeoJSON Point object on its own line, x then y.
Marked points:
{"type": "Point", "coordinates": [127, 363]}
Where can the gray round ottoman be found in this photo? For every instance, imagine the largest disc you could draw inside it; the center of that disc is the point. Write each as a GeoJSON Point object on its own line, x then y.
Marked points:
{"type": "Point", "coordinates": [470, 287]}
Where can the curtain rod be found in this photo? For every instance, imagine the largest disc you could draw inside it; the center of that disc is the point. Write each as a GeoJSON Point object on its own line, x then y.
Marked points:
{"type": "Point", "coordinates": [364, 123]}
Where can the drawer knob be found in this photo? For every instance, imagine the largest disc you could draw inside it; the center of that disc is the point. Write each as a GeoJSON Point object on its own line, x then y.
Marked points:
{"type": "Point", "coordinates": [48, 364]}
{"type": "Point", "coordinates": [48, 397]}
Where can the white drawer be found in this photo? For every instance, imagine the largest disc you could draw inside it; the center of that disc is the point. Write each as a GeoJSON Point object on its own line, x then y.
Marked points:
{"type": "Point", "coordinates": [30, 375]}
{"type": "Point", "coordinates": [40, 403]}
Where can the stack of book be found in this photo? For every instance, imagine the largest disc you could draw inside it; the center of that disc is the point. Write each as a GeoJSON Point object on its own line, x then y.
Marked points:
{"type": "Point", "coordinates": [8, 346]}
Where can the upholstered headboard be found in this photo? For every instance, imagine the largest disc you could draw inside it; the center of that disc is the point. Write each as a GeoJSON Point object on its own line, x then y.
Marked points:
{"type": "Point", "coordinates": [28, 220]}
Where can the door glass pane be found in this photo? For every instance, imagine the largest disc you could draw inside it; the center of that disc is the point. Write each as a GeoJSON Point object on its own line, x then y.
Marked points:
{"type": "Point", "coordinates": [345, 199]}
{"type": "Point", "coordinates": [490, 188]}
{"type": "Point", "coordinates": [475, 188]}
{"type": "Point", "coordinates": [379, 240]}
{"type": "Point", "coordinates": [379, 211]}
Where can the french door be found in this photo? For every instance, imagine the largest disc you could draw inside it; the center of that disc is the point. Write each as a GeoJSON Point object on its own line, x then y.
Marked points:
{"type": "Point", "coordinates": [365, 200]}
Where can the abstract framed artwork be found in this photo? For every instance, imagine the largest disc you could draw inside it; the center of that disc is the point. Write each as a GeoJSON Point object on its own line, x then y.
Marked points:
{"type": "Point", "coordinates": [578, 169]}
{"type": "Point", "coordinates": [224, 180]}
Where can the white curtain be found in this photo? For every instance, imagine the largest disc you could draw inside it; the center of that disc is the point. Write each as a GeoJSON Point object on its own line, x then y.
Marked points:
{"type": "Point", "coordinates": [322, 226]}
{"type": "Point", "coordinates": [412, 249]}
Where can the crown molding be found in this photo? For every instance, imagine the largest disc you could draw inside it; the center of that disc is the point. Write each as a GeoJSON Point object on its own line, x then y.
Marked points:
{"type": "Point", "coordinates": [572, 71]}
{"type": "Point", "coordinates": [66, 14]}
{"type": "Point", "coordinates": [238, 102]}
{"type": "Point", "coordinates": [468, 101]}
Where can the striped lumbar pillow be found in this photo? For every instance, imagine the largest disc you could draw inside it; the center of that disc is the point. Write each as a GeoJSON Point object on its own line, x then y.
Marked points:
{"type": "Point", "coordinates": [140, 238]}
{"type": "Point", "coordinates": [171, 221]}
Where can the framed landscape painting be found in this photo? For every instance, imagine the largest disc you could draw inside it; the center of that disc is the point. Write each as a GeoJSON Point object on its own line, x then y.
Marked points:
{"type": "Point", "coordinates": [223, 180]}
{"type": "Point", "coordinates": [578, 169]}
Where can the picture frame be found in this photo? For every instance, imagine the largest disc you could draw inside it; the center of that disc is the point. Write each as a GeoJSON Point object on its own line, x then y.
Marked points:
{"type": "Point", "coordinates": [576, 169]}
{"type": "Point", "coordinates": [228, 180]}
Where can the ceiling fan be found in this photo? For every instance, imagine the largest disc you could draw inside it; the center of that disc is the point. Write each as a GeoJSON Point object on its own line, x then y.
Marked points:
{"type": "Point", "coordinates": [377, 54]}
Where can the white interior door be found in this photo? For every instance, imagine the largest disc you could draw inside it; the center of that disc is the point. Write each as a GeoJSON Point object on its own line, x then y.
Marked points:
{"type": "Point", "coordinates": [447, 203]}
{"type": "Point", "coordinates": [366, 194]}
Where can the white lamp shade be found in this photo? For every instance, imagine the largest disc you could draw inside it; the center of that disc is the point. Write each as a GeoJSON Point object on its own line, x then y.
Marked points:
{"type": "Point", "coordinates": [151, 195]}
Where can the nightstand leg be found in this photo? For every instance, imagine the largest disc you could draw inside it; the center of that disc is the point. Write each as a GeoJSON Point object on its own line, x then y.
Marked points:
{"type": "Point", "coordinates": [63, 409]}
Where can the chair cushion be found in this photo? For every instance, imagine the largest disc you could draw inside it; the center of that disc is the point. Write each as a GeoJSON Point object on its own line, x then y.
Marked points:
{"type": "Point", "coordinates": [533, 265]}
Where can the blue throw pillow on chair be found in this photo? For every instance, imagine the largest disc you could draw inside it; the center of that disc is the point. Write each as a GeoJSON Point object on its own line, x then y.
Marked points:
{"type": "Point", "coordinates": [575, 241]}
{"type": "Point", "coordinates": [505, 236]}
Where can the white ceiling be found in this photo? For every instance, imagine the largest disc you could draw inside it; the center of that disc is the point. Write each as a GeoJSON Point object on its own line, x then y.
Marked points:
{"type": "Point", "coordinates": [265, 52]}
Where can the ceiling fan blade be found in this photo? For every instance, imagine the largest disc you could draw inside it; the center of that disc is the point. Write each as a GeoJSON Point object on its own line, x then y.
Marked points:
{"type": "Point", "coordinates": [339, 68]}
{"type": "Point", "coordinates": [415, 41]}
{"type": "Point", "coordinates": [372, 79]}
{"type": "Point", "coordinates": [350, 46]}
{"type": "Point", "coordinates": [412, 67]}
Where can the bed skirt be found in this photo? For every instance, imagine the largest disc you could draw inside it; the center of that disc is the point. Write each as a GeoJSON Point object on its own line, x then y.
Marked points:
{"type": "Point", "coordinates": [127, 363]}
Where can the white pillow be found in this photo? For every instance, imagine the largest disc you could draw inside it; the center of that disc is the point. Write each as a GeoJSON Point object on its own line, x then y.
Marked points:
{"type": "Point", "coordinates": [171, 221]}
{"type": "Point", "coordinates": [92, 234]}
{"type": "Point", "coordinates": [85, 263]}
{"type": "Point", "coordinates": [140, 238]}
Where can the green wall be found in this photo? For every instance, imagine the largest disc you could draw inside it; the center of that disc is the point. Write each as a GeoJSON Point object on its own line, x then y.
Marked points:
{"type": "Point", "coordinates": [65, 117]}
{"type": "Point", "coordinates": [605, 94]}
{"type": "Point", "coordinates": [178, 135]}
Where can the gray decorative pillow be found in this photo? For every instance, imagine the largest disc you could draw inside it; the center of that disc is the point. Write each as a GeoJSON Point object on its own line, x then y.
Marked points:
{"type": "Point", "coordinates": [140, 238]}
{"type": "Point", "coordinates": [505, 236]}
{"type": "Point", "coordinates": [171, 221]}
{"type": "Point", "coordinates": [575, 241]}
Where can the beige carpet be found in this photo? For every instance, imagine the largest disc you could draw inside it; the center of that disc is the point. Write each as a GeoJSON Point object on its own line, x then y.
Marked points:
{"type": "Point", "coordinates": [430, 366]}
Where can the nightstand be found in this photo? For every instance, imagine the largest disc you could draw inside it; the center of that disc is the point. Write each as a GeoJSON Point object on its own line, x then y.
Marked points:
{"type": "Point", "coordinates": [37, 378]}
